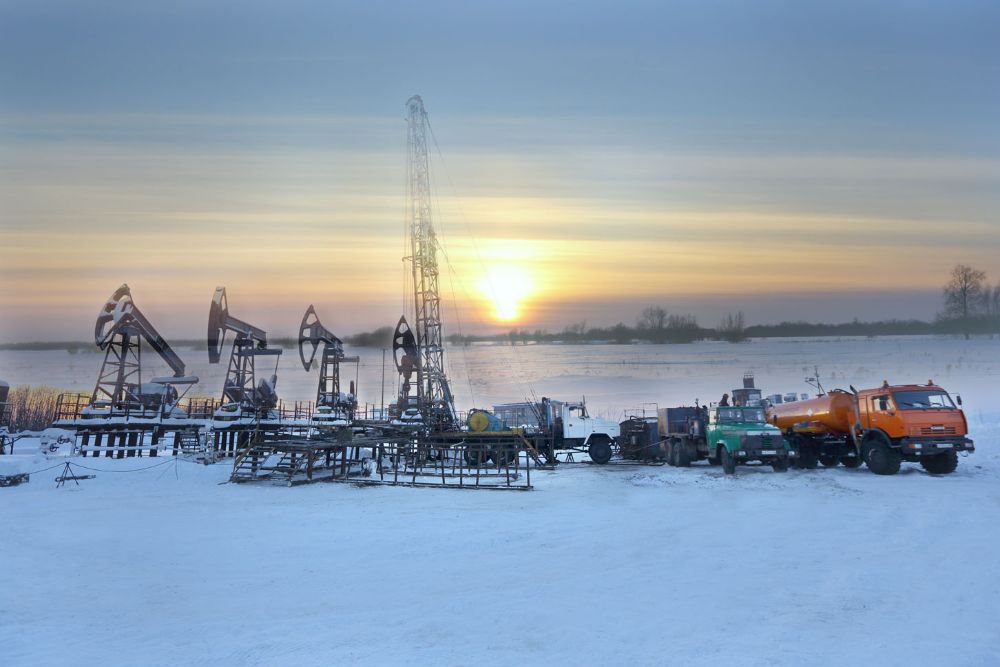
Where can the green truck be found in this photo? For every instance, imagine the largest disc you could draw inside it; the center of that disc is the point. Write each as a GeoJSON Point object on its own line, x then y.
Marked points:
{"type": "Point", "coordinates": [724, 435]}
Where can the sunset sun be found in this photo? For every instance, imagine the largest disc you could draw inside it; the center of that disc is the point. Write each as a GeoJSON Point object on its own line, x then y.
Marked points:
{"type": "Point", "coordinates": [506, 287]}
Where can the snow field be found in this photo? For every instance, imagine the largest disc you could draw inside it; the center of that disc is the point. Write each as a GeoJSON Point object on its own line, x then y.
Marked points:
{"type": "Point", "coordinates": [598, 566]}
{"type": "Point", "coordinates": [614, 565]}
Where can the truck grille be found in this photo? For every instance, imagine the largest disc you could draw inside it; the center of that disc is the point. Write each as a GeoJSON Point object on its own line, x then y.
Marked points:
{"type": "Point", "coordinates": [937, 430]}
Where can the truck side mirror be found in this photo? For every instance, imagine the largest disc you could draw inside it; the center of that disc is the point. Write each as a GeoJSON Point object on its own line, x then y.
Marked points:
{"type": "Point", "coordinates": [958, 399]}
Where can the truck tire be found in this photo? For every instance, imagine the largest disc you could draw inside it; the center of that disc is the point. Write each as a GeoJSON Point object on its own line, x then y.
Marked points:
{"type": "Point", "coordinates": [851, 461]}
{"type": "Point", "coordinates": [829, 460]}
{"type": "Point", "coordinates": [940, 464]}
{"type": "Point", "coordinates": [671, 449]}
{"type": "Point", "coordinates": [503, 454]}
{"type": "Point", "coordinates": [683, 457]}
{"type": "Point", "coordinates": [599, 450]}
{"type": "Point", "coordinates": [808, 458]}
{"type": "Point", "coordinates": [728, 462]}
{"type": "Point", "coordinates": [779, 464]}
{"type": "Point", "coordinates": [881, 458]}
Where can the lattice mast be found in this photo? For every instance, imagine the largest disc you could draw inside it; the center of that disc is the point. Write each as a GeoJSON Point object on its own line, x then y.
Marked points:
{"type": "Point", "coordinates": [433, 394]}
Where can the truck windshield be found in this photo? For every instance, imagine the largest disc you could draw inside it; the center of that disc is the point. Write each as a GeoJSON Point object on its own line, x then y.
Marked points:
{"type": "Point", "coordinates": [741, 414]}
{"type": "Point", "coordinates": [923, 400]}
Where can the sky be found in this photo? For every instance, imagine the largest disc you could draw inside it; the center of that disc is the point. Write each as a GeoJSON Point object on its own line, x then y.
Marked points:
{"type": "Point", "coordinates": [822, 161]}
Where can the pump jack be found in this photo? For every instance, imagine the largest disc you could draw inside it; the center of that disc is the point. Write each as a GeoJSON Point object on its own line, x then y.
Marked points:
{"type": "Point", "coordinates": [125, 416]}
{"type": "Point", "coordinates": [333, 408]}
{"type": "Point", "coordinates": [121, 327]}
{"type": "Point", "coordinates": [242, 395]}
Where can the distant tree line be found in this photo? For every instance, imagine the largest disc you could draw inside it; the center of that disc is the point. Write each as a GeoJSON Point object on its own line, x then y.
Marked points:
{"type": "Point", "coordinates": [971, 307]}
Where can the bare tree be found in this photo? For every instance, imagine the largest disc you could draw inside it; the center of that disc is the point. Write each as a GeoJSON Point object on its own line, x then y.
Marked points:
{"type": "Point", "coordinates": [575, 330]}
{"type": "Point", "coordinates": [653, 318]}
{"type": "Point", "coordinates": [733, 328]}
{"type": "Point", "coordinates": [964, 294]}
{"type": "Point", "coordinates": [993, 303]}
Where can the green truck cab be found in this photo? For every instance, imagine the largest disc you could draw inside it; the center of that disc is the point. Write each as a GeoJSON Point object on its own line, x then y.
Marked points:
{"type": "Point", "coordinates": [721, 434]}
{"type": "Point", "coordinates": [737, 435]}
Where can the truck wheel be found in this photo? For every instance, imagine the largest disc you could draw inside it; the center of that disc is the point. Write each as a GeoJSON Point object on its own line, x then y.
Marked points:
{"type": "Point", "coordinates": [599, 450]}
{"type": "Point", "coordinates": [779, 464]}
{"type": "Point", "coordinates": [728, 462]}
{"type": "Point", "coordinates": [851, 461]}
{"type": "Point", "coordinates": [940, 464]}
{"type": "Point", "coordinates": [503, 455]}
{"type": "Point", "coordinates": [829, 460]}
{"type": "Point", "coordinates": [808, 458]}
{"type": "Point", "coordinates": [671, 448]}
{"type": "Point", "coordinates": [683, 457]}
{"type": "Point", "coordinates": [882, 459]}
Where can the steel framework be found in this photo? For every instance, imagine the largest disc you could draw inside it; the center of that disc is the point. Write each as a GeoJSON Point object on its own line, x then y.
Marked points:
{"type": "Point", "coordinates": [241, 388]}
{"type": "Point", "coordinates": [433, 395]}
{"type": "Point", "coordinates": [119, 332]}
{"type": "Point", "coordinates": [330, 401]}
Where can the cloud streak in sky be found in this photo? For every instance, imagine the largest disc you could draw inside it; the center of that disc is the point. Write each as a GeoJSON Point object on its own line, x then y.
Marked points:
{"type": "Point", "coordinates": [653, 152]}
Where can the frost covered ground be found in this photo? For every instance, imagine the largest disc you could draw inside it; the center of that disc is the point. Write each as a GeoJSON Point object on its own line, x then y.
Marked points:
{"type": "Point", "coordinates": [597, 566]}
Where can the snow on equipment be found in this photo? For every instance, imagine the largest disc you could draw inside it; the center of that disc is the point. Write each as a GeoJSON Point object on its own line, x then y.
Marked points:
{"type": "Point", "coordinates": [249, 407]}
{"type": "Point", "coordinates": [882, 427]}
{"type": "Point", "coordinates": [333, 407]}
{"type": "Point", "coordinates": [124, 415]}
{"type": "Point", "coordinates": [423, 442]}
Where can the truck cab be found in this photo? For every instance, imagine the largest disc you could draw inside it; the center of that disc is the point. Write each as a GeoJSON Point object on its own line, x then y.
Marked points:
{"type": "Point", "coordinates": [919, 423]}
{"type": "Point", "coordinates": [597, 435]}
{"type": "Point", "coordinates": [736, 435]}
{"type": "Point", "coordinates": [554, 425]}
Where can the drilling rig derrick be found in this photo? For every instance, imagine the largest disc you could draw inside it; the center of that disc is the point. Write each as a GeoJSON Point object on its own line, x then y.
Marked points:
{"type": "Point", "coordinates": [420, 350]}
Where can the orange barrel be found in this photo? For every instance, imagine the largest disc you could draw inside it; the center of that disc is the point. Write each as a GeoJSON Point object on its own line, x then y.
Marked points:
{"type": "Point", "coordinates": [833, 412]}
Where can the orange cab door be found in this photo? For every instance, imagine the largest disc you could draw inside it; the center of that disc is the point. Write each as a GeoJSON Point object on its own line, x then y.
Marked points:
{"type": "Point", "coordinates": [882, 414]}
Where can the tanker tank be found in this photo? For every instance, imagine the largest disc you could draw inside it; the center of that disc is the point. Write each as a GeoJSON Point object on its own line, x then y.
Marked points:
{"type": "Point", "coordinates": [831, 413]}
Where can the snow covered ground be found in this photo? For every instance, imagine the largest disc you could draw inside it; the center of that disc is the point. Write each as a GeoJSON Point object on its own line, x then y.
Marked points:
{"type": "Point", "coordinates": [598, 565]}
{"type": "Point", "coordinates": [640, 565]}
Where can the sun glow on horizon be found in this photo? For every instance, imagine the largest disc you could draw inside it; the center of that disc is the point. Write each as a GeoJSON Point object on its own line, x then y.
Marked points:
{"type": "Point", "coordinates": [507, 287]}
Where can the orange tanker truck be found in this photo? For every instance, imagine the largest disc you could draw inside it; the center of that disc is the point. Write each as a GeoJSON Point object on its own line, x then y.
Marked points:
{"type": "Point", "coordinates": [882, 427]}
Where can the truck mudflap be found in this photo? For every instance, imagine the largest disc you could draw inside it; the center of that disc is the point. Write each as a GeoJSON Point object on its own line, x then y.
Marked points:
{"type": "Point", "coordinates": [928, 446]}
